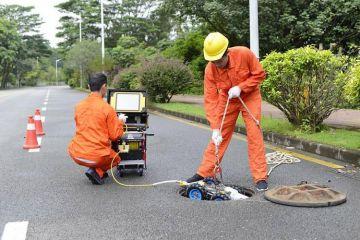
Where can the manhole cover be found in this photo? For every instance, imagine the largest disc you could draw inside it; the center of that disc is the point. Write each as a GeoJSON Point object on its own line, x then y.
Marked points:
{"type": "Point", "coordinates": [305, 195]}
{"type": "Point", "coordinates": [208, 190]}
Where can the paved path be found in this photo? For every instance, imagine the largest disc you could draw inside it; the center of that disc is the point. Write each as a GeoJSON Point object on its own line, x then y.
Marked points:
{"type": "Point", "coordinates": [345, 118]}
{"type": "Point", "coordinates": [46, 196]}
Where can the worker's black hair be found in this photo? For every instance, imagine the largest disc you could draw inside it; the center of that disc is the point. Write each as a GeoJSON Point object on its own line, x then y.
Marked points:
{"type": "Point", "coordinates": [96, 81]}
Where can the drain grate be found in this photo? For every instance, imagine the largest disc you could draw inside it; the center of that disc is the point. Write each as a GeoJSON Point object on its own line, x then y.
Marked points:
{"type": "Point", "coordinates": [305, 195]}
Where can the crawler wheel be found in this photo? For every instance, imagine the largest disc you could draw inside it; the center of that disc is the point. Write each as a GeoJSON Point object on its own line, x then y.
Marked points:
{"type": "Point", "coordinates": [195, 192]}
{"type": "Point", "coordinates": [220, 197]}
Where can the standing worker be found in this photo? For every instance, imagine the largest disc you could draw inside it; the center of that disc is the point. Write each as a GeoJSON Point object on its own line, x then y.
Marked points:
{"type": "Point", "coordinates": [231, 73]}
{"type": "Point", "coordinates": [96, 126]}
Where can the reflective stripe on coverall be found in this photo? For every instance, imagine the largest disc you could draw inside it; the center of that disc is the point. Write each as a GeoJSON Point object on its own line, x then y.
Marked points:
{"type": "Point", "coordinates": [245, 71]}
{"type": "Point", "coordinates": [96, 126]}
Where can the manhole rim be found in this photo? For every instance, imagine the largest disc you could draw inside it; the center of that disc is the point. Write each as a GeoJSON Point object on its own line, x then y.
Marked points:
{"type": "Point", "coordinates": [342, 198]}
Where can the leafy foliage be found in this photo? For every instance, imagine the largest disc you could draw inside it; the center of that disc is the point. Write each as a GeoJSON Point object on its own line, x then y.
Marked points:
{"type": "Point", "coordinates": [305, 84]}
{"type": "Point", "coordinates": [352, 87]}
{"type": "Point", "coordinates": [163, 78]}
{"type": "Point", "coordinates": [10, 42]}
{"type": "Point", "coordinates": [298, 23]}
{"type": "Point", "coordinates": [140, 19]}
{"type": "Point", "coordinates": [21, 43]}
{"type": "Point", "coordinates": [83, 59]}
{"type": "Point", "coordinates": [189, 49]}
{"type": "Point", "coordinates": [128, 79]}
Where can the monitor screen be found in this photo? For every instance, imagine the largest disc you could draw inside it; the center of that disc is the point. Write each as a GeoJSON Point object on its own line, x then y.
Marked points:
{"type": "Point", "coordinates": [127, 102]}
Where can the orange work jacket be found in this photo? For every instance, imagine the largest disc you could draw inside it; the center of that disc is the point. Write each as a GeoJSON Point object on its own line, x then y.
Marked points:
{"type": "Point", "coordinates": [243, 70]}
{"type": "Point", "coordinates": [96, 126]}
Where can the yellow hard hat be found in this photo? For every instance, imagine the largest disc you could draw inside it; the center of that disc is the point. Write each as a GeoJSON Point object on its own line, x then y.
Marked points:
{"type": "Point", "coordinates": [215, 45]}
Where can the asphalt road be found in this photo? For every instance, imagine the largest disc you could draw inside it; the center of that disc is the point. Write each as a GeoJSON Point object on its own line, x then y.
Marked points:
{"type": "Point", "coordinates": [52, 193]}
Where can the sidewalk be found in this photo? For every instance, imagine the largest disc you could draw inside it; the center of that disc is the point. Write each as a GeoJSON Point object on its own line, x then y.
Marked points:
{"type": "Point", "coordinates": [342, 118]}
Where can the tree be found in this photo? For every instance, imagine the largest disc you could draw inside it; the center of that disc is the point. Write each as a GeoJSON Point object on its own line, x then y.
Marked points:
{"type": "Point", "coordinates": [32, 44]}
{"type": "Point", "coordinates": [26, 21]}
{"type": "Point", "coordinates": [85, 57]}
{"type": "Point", "coordinates": [189, 49]}
{"type": "Point", "coordinates": [142, 19]}
{"type": "Point", "coordinates": [298, 23]}
{"type": "Point", "coordinates": [82, 54]}
{"type": "Point", "coordinates": [90, 14]}
{"type": "Point", "coordinates": [9, 46]}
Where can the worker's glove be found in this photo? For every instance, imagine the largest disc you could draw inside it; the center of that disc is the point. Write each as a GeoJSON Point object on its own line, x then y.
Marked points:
{"type": "Point", "coordinates": [234, 92]}
{"type": "Point", "coordinates": [216, 137]}
{"type": "Point", "coordinates": [123, 117]}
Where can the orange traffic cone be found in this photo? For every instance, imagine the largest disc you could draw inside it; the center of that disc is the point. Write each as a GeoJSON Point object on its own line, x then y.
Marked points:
{"type": "Point", "coordinates": [31, 140]}
{"type": "Point", "coordinates": [38, 123]}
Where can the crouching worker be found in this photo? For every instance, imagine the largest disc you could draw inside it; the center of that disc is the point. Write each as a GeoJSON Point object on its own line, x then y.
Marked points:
{"type": "Point", "coordinates": [96, 126]}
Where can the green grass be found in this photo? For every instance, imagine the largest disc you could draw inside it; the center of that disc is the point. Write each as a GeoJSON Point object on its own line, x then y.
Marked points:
{"type": "Point", "coordinates": [336, 137]}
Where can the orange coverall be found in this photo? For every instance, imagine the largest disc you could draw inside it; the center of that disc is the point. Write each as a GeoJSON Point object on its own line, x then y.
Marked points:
{"type": "Point", "coordinates": [96, 126]}
{"type": "Point", "coordinates": [245, 71]}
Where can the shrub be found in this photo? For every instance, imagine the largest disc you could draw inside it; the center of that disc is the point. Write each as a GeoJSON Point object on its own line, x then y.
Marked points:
{"type": "Point", "coordinates": [163, 78]}
{"type": "Point", "coordinates": [123, 57]}
{"type": "Point", "coordinates": [305, 84]}
{"type": "Point", "coordinates": [127, 79]}
{"type": "Point", "coordinates": [74, 80]}
{"type": "Point", "coordinates": [352, 87]}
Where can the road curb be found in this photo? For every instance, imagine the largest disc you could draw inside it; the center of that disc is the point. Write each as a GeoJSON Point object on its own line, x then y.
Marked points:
{"type": "Point", "coordinates": [341, 154]}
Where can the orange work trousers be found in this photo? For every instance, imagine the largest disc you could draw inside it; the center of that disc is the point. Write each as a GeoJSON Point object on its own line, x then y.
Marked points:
{"type": "Point", "coordinates": [101, 164]}
{"type": "Point", "coordinates": [256, 149]}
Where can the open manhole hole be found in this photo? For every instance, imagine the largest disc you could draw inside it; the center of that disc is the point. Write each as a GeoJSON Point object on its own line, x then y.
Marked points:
{"type": "Point", "coordinates": [208, 189]}
{"type": "Point", "coordinates": [305, 195]}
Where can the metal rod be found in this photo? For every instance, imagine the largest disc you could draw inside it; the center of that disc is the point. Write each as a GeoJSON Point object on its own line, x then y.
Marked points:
{"type": "Point", "coordinates": [102, 34]}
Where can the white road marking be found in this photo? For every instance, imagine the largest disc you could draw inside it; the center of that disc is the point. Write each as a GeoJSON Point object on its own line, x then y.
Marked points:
{"type": "Point", "coordinates": [39, 140]}
{"type": "Point", "coordinates": [34, 150]}
{"type": "Point", "coordinates": [15, 231]}
{"type": "Point", "coordinates": [42, 119]}
{"type": "Point", "coordinates": [43, 109]}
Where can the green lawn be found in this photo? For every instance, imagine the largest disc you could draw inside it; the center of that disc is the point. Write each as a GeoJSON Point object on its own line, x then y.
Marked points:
{"type": "Point", "coordinates": [337, 137]}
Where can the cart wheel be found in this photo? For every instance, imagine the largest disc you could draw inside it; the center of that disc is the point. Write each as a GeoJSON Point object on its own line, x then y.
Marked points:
{"type": "Point", "coordinates": [195, 193]}
{"type": "Point", "coordinates": [140, 171]}
{"type": "Point", "coordinates": [220, 197]}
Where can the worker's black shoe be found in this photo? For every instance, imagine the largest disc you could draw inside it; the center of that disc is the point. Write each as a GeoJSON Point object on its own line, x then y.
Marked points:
{"type": "Point", "coordinates": [106, 175]}
{"type": "Point", "coordinates": [94, 177]}
{"type": "Point", "coordinates": [194, 178]}
{"type": "Point", "coordinates": [261, 186]}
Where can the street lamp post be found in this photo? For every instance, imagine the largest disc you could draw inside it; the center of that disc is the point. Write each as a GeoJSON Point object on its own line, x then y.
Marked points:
{"type": "Point", "coordinates": [254, 27]}
{"type": "Point", "coordinates": [80, 20]}
{"type": "Point", "coordinates": [80, 38]}
{"type": "Point", "coordinates": [102, 34]}
{"type": "Point", "coordinates": [56, 71]}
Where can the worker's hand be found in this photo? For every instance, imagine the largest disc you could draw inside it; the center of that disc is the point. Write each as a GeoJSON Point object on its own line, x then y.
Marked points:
{"type": "Point", "coordinates": [234, 92]}
{"type": "Point", "coordinates": [123, 117]}
{"type": "Point", "coordinates": [216, 137]}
